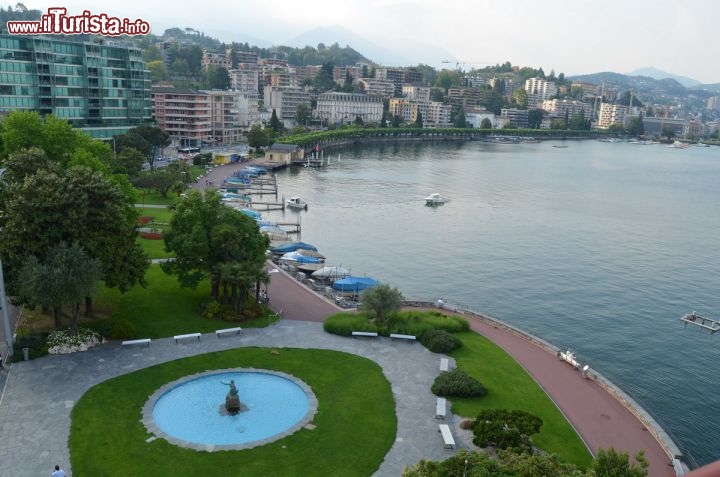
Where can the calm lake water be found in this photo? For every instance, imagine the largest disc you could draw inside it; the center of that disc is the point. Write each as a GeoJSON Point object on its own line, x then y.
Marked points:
{"type": "Point", "coordinates": [599, 247]}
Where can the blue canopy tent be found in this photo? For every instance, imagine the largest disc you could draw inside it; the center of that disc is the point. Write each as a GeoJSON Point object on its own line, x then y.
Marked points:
{"type": "Point", "coordinates": [351, 284]}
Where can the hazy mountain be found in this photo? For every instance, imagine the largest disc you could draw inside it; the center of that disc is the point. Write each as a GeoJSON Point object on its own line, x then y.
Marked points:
{"type": "Point", "coordinates": [400, 53]}
{"type": "Point", "coordinates": [640, 84]}
{"type": "Point", "coordinates": [652, 72]}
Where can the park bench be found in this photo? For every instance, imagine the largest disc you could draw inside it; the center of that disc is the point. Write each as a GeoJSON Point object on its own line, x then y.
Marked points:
{"type": "Point", "coordinates": [447, 436]}
{"type": "Point", "coordinates": [364, 333]}
{"type": "Point", "coordinates": [145, 341]}
{"type": "Point", "coordinates": [440, 407]}
{"type": "Point", "coordinates": [228, 331]}
{"type": "Point", "coordinates": [187, 336]}
{"type": "Point", "coordinates": [444, 364]}
{"type": "Point", "coordinates": [402, 337]}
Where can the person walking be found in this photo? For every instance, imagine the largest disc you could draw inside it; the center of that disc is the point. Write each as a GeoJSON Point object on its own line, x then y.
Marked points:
{"type": "Point", "coordinates": [58, 472]}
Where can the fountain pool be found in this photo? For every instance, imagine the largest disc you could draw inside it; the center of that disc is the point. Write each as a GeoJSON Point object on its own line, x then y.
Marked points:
{"type": "Point", "coordinates": [190, 412]}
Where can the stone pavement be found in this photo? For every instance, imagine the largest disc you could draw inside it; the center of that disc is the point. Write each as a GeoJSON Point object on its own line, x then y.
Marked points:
{"type": "Point", "coordinates": [40, 394]}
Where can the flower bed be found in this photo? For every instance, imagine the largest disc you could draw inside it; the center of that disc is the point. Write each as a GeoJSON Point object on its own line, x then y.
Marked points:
{"type": "Point", "coordinates": [62, 342]}
{"type": "Point", "coordinates": [145, 219]}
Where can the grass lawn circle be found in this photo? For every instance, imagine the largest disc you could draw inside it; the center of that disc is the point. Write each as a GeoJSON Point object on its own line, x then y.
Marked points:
{"type": "Point", "coordinates": [355, 423]}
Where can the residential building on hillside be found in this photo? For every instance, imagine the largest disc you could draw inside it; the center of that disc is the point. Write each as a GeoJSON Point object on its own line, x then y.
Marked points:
{"type": "Point", "coordinates": [399, 77]}
{"type": "Point", "coordinates": [377, 87]}
{"type": "Point", "coordinates": [249, 109]}
{"type": "Point", "coordinates": [246, 77]}
{"type": "Point", "coordinates": [538, 90]}
{"type": "Point", "coordinates": [468, 97]}
{"type": "Point", "coordinates": [303, 73]}
{"type": "Point", "coordinates": [226, 127]}
{"type": "Point", "coordinates": [589, 90]}
{"type": "Point", "coordinates": [438, 115]}
{"type": "Point", "coordinates": [340, 73]}
{"type": "Point", "coordinates": [186, 114]}
{"type": "Point", "coordinates": [100, 87]}
{"type": "Point", "coordinates": [228, 59]}
{"type": "Point", "coordinates": [713, 103]}
{"type": "Point", "coordinates": [611, 114]}
{"type": "Point", "coordinates": [404, 108]}
{"type": "Point", "coordinates": [343, 108]}
{"type": "Point", "coordinates": [418, 93]}
{"type": "Point", "coordinates": [284, 100]}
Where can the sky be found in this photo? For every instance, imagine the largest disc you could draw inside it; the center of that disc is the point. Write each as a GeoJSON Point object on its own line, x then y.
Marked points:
{"type": "Point", "coordinates": [569, 36]}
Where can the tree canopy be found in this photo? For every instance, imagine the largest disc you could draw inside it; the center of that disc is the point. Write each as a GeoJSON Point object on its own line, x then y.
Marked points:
{"type": "Point", "coordinates": [212, 241]}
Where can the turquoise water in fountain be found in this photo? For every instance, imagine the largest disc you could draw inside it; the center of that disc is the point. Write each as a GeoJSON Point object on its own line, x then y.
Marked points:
{"type": "Point", "coordinates": [194, 410]}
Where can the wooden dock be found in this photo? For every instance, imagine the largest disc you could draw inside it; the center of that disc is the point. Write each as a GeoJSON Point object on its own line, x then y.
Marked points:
{"type": "Point", "coordinates": [705, 323]}
{"type": "Point", "coordinates": [268, 205]}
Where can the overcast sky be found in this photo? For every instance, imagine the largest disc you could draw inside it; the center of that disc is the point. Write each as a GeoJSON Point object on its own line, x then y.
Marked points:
{"type": "Point", "coordinates": [570, 36]}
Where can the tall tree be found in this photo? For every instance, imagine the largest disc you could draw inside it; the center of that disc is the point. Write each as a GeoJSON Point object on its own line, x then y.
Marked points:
{"type": "Point", "coordinates": [381, 301]}
{"type": "Point", "coordinates": [485, 124]}
{"type": "Point", "coordinates": [216, 242]}
{"type": "Point", "coordinates": [217, 77]}
{"type": "Point", "coordinates": [64, 279]}
{"type": "Point", "coordinates": [535, 117]}
{"type": "Point", "coordinates": [303, 114]}
{"type": "Point", "coordinates": [275, 123]}
{"type": "Point", "coordinates": [419, 120]}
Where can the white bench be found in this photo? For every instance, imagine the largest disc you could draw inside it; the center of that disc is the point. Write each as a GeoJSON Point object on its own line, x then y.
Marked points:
{"type": "Point", "coordinates": [402, 337]}
{"type": "Point", "coordinates": [187, 336]}
{"type": "Point", "coordinates": [447, 436]}
{"type": "Point", "coordinates": [228, 331]}
{"type": "Point", "coordinates": [136, 342]}
{"type": "Point", "coordinates": [440, 407]}
{"type": "Point", "coordinates": [364, 333]}
{"type": "Point", "coordinates": [444, 364]}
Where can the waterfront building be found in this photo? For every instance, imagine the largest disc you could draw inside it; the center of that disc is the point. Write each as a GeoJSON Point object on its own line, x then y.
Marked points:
{"type": "Point", "coordinates": [339, 108]}
{"type": "Point", "coordinates": [186, 114]}
{"type": "Point", "coordinates": [226, 126]}
{"type": "Point", "coordinates": [562, 108]}
{"type": "Point", "coordinates": [438, 115]}
{"type": "Point", "coordinates": [474, 117]}
{"type": "Point", "coordinates": [660, 127]}
{"type": "Point", "coordinates": [284, 100]}
{"type": "Point", "coordinates": [514, 117]}
{"type": "Point", "coordinates": [101, 87]}
{"type": "Point", "coordinates": [611, 114]}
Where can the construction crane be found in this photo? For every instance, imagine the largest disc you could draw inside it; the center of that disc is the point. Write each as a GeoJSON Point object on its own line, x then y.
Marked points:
{"type": "Point", "coordinates": [458, 63]}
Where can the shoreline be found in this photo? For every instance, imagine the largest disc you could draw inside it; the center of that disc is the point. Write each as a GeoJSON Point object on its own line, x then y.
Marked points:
{"type": "Point", "coordinates": [672, 454]}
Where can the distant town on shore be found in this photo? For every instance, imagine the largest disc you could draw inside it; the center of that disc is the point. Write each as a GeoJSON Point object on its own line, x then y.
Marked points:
{"type": "Point", "coordinates": [206, 93]}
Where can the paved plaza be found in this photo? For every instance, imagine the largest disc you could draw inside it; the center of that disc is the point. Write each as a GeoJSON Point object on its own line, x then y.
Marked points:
{"type": "Point", "coordinates": [40, 394]}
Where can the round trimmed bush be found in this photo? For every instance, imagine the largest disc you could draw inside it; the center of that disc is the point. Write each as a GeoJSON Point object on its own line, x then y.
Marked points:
{"type": "Point", "coordinates": [440, 341]}
{"type": "Point", "coordinates": [457, 383]}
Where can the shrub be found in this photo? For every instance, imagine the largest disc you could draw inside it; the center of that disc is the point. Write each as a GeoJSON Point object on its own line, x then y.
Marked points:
{"type": "Point", "coordinates": [343, 324]}
{"type": "Point", "coordinates": [122, 329]}
{"type": "Point", "coordinates": [467, 424]}
{"type": "Point", "coordinates": [35, 342]}
{"type": "Point", "coordinates": [440, 341]}
{"type": "Point", "coordinates": [211, 309]}
{"type": "Point", "coordinates": [457, 383]}
{"type": "Point", "coordinates": [64, 342]}
{"type": "Point", "coordinates": [506, 429]}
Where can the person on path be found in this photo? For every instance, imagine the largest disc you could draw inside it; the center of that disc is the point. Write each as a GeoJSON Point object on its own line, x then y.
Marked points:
{"type": "Point", "coordinates": [58, 472]}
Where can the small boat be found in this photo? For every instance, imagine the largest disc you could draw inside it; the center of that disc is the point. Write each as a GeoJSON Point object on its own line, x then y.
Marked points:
{"type": "Point", "coordinates": [434, 199]}
{"type": "Point", "coordinates": [702, 144]}
{"type": "Point", "coordinates": [296, 203]}
{"type": "Point", "coordinates": [560, 146]}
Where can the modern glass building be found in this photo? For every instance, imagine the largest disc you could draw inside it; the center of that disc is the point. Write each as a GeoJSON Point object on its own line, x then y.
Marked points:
{"type": "Point", "coordinates": [101, 87]}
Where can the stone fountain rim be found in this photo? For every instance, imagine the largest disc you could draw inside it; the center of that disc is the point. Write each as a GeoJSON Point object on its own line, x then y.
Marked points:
{"type": "Point", "coordinates": [149, 421]}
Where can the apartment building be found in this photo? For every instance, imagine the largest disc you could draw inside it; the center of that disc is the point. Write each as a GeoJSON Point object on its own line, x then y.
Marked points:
{"type": "Point", "coordinates": [100, 87]}
{"type": "Point", "coordinates": [399, 77]}
{"type": "Point", "coordinates": [438, 115]}
{"type": "Point", "coordinates": [475, 116]}
{"type": "Point", "coordinates": [611, 114]}
{"type": "Point", "coordinates": [377, 87]}
{"type": "Point", "coordinates": [226, 127]}
{"type": "Point", "coordinates": [404, 108]}
{"type": "Point", "coordinates": [539, 90]}
{"type": "Point", "coordinates": [228, 59]}
{"type": "Point", "coordinates": [514, 117]}
{"type": "Point", "coordinates": [246, 77]}
{"type": "Point", "coordinates": [249, 109]}
{"type": "Point", "coordinates": [186, 114]}
{"type": "Point", "coordinates": [561, 108]}
{"type": "Point", "coordinates": [340, 74]}
{"type": "Point", "coordinates": [284, 100]}
{"type": "Point", "coordinates": [659, 127]}
{"type": "Point", "coordinates": [418, 93]}
{"type": "Point", "coordinates": [339, 108]}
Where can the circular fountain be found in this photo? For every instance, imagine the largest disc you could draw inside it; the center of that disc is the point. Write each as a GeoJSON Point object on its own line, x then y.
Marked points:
{"type": "Point", "coordinates": [199, 412]}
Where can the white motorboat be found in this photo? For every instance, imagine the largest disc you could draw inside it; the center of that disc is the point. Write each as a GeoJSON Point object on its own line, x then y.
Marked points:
{"type": "Point", "coordinates": [434, 199]}
{"type": "Point", "coordinates": [296, 203]}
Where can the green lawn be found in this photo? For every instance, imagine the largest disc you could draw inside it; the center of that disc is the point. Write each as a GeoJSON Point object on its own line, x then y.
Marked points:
{"type": "Point", "coordinates": [510, 387]}
{"type": "Point", "coordinates": [163, 308]}
{"type": "Point", "coordinates": [356, 421]}
{"type": "Point", "coordinates": [154, 248]}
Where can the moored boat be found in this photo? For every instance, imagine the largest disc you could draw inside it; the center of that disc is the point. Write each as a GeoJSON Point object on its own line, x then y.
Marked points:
{"type": "Point", "coordinates": [434, 199]}
{"type": "Point", "coordinates": [296, 203]}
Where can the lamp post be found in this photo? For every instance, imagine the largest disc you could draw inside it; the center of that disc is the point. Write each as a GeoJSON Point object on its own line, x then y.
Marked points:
{"type": "Point", "coordinates": [6, 318]}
